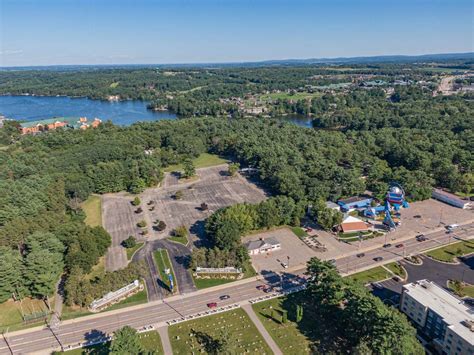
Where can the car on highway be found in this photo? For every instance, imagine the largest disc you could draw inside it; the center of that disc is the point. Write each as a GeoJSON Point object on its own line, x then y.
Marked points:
{"type": "Point", "coordinates": [388, 245]}
{"type": "Point", "coordinates": [452, 226]}
{"type": "Point", "coordinates": [212, 305]}
{"type": "Point", "coordinates": [378, 258]}
{"type": "Point", "coordinates": [260, 287]}
{"type": "Point", "coordinates": [224, 297]}
{"type": "Point", "coordinates": [377, 285]}
{"type": "Point", "coordinates": [332, 261]}
{"type": "Point", "coordinates": [401, 245]}
{"type": "Point", "coordinates": [360, 255]}
{"type": "Point", "coordinates": [421, 238]}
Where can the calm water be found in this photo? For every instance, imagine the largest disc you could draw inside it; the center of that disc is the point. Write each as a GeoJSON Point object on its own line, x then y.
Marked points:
{"type": "Point", "coordinates": [30, 108]}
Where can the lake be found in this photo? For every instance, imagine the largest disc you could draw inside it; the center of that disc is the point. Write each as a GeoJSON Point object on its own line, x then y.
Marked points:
{"type": "Point", "coordinates": [124, 113]}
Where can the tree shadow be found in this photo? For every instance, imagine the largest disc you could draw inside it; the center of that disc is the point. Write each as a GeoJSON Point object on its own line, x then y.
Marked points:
{"type": "Point", "coordinates": [198, 228]}
{"type": "Point", "coordinates": [210, 344]}
{"type": "Point", "coordinates": [184, 260]}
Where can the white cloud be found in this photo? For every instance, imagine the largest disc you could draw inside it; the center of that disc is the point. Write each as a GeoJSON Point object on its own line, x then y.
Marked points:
{"type": "Point", "coordinates": [11, 52]}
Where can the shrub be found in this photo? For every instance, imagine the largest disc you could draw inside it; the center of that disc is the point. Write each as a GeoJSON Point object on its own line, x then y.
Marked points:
{"type": "Point", "coordinates": [141, 224]}
{"type": "Point", "coordinates": [136, 201]}
{"type": "Point", "coordinates": [130, 242]}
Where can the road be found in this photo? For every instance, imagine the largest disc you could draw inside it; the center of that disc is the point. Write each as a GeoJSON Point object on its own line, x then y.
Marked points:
{"type": "Point", "coordinates": [351, 263]}
{"type": "Point", "coordinates": [90, 327]}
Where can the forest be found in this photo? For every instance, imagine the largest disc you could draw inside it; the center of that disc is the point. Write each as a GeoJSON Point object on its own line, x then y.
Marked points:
{"type": "Point", "coordinates": [362, 140]}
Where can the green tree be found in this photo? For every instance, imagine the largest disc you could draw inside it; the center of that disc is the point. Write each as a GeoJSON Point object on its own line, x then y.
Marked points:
{"type": "Point", "coordinates": [126, 341]}
{"type": "Point", "coordinates": [136, 201]}
{"type": "Point", "coordinates": [42, 271]}
{"type": "Point", "coordinates": [10, 273]}
{"type": "Point", "coordinates": [233, 168]}
{"type": "Point", "coordinates": [188, 169]}
{"type": "Point", "coordinates": [130, 242]}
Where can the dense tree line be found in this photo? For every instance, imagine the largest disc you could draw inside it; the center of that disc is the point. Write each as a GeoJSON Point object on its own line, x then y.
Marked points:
{"type": "Point", "coordinates": [355, 321]}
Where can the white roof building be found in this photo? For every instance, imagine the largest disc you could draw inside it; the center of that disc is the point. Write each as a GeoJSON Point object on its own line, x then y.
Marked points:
{"type": "Point", "coordinates": [441, 316]}
{"type": "Point", "coordinates": [262, 246]}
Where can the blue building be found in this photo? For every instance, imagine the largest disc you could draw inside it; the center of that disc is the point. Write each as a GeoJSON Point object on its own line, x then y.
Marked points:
{"type": "Point", "coordinates": [355, 202]}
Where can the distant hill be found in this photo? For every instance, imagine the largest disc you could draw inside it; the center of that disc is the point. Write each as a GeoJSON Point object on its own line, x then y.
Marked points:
{"type": "Point", "coordinates": [466, 58]}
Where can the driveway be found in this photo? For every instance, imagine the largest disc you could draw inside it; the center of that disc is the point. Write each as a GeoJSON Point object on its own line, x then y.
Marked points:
{"type": "Point", "coordinates": [432, 270]}
{"type": "Point", "coordinates": [179, 256]}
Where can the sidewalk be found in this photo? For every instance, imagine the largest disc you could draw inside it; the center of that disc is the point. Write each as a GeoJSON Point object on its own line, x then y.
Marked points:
{"type": "Point", "coordinates": [254, 318]}
{"type": "Point", "coordinates": [165, 340]}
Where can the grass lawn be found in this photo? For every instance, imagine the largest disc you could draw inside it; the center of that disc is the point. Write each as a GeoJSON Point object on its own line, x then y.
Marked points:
{"type": "Point", "coordinates": [287, 335]}
{"type": "Point", "coordinates": [10, 313]}
{"type": "Point", "coordinates": [396, 269]}
{"type": "Point", "coordinates": [131, 251]}
{"type": "Point", "coordinates": [376, 274]}
{"type": "Point", "coordinates": [205, 283]}
{"type": "Point", "coordinates": [150, 342]}
{"type": "Point", "coordinates": [299, 232]}
{"type": "Point", "coordinates": [287, 96]}
{"type": "Point", "coordinates": [182, 240]}
{"type": "Point", "coordinates": [449, 252]}
{"type": "Point", "coordinates": [92, 208]}
{"type": "Point", "coordinates": [76, 312]}
{"type": "Point", "coordinates": [189, 337]}
{"type": "Point", "coordinates": [464, 290]}
{"type": "Point", "coordinates": [138, 298]}
{"type": "Point", "coordinates": [163, 262]}
{"type": "Point", "coordinates": [203, 161]}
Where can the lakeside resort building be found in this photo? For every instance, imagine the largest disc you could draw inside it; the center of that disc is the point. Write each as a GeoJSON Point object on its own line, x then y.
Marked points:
{"type": "Point", "coordinates": [51, 124]}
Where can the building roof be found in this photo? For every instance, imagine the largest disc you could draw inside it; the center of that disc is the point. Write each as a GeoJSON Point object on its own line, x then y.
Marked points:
{"type": "Point", "coordinates": [69, 120]}
{"type": "Point", "coordinates": [257, 244]}
{"type": "Point", "coordinates": [330, 204]}
{"type": "Point", "coordinates": [453, 311]}
{"type": "Point", "coordinates": [450, 196]}
{"type": "Point", "coordinates": [353, 199]}
{"type": "Point", "coordinates": [353, 224]}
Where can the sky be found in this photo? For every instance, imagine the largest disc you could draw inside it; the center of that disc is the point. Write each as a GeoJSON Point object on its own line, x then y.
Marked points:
{"type": "Point", "coordinates": [54, 32]}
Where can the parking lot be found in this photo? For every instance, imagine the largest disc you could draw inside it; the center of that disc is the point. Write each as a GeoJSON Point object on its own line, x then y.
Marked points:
{"type": "Point", "coordinates": [432, 270]}
{"type": "Point", "coordinates": [291, 246]}
{"type": "Point", "coordinates": [213, 187]}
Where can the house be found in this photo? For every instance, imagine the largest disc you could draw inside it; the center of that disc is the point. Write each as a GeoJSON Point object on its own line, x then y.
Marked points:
{"type": "Point", "coordinates": [262, 246]}
{"type": "Point", "coordinates": [352, 203]}
{"type": "Point", "coordinates": [443, 319]}
{"type": "Point", "coordinates": [450, 198]}
{"type": "Point", "coordinates": [353, 224]}
{"type": "Point", "coordinates": [51, 124]}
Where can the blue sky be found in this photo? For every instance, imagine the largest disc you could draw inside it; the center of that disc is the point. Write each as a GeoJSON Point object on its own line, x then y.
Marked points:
{"type": "Point", "coordinates": [47, 32]}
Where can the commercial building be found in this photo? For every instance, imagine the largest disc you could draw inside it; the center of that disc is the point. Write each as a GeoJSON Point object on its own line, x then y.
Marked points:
{"type": "Point", "coordinates": [352, 203]}
{"type": "Point", "coordinates": [441, 318]}
{"type": "Point", "coordinates": [32, 127]}
{"type": "Point", "coordinates": [450, 198]}
{"type": "Point", "coordinates": [353, 224]}
{"type": "Point", "coordinates": [262, 246]}
{"type": "Point", "coordinates": [333, 206]}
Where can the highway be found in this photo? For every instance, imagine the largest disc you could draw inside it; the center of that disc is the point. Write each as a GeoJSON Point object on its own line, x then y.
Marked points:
{"type": "Point", "coordinates": [90, 327]}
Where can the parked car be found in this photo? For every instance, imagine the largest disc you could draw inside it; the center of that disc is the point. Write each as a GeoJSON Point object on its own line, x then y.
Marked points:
{"type": "Point", "coordinates": [212, 305]}
{"type": "Point", "coordinates": [399, 245]}
{"type": "Point", "coordinates": [260, 287]}
{"type": "Point", "coordinates": [378, 258]}
{"type": "Point", "coordinates": [388, 245]}
{"type": "Point", "coordinates": [360, 255]}
{"type": "Point", "coordinates": [224, 297]}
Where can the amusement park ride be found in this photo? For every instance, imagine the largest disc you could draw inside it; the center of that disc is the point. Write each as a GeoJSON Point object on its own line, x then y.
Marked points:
{"type": "Point", "coordinates": [394, 200]}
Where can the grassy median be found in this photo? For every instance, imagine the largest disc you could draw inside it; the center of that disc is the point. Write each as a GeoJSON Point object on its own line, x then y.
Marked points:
{"type": "Point", "coordinates": [372, 275]}
{"type": "Point", "coordinates": [163, 262]}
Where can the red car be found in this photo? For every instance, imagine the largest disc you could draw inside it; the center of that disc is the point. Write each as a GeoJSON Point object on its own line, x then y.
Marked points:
{"type": "Point", "coordinates": [212, 305]}
{"type": "Point", "coordinates": [399, 245]}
